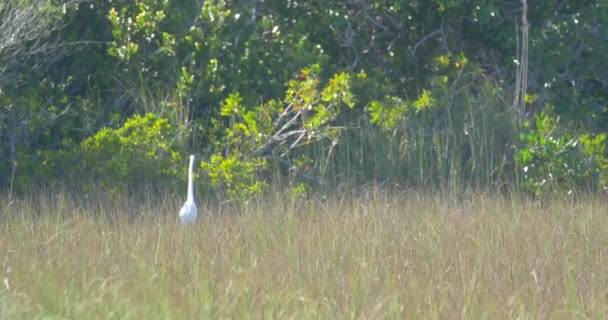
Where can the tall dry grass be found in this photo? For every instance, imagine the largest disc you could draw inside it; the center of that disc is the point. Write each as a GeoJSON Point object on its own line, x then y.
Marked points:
{"type": "Point", "coordinates": [376, 254]}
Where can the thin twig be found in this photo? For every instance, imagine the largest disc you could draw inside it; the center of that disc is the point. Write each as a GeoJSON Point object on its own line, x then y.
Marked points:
{"type": "Point", "coordinates": [424, 39]}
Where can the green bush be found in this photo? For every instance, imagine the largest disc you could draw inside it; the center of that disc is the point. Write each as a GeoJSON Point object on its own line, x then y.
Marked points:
{"type": "Point", "coordinates": [553, 161]}
{"type": "Point", "coordinates": [279, 134]}
{"type": "Point", "coordinates": [143, 152]}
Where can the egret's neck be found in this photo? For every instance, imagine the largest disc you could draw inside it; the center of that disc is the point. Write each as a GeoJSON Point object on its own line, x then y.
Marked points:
{"type": "Point", "coordinates": [190, 184]}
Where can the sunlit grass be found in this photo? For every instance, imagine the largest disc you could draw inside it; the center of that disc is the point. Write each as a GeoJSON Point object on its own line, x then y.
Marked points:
{"type": "Point", "coordinates": [373, 255]}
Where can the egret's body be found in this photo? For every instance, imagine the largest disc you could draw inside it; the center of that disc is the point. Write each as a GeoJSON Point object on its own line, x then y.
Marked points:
{"type": "Point", "coordinates": [188, 212]}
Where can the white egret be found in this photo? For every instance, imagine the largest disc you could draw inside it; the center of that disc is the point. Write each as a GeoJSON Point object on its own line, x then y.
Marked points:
{"type": "Point", "coordinates": [188, 212]}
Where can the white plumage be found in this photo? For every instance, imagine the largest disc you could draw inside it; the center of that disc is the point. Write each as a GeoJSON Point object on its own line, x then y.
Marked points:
{"type": "Point", "coordinates": [188, 212]}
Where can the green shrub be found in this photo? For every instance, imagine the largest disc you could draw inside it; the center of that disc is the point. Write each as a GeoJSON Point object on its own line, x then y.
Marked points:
{"type": "Point", "coordinates": [553, 161]}
{"type": "Point", "coordinates": [279, 134]}
{"type": "Point", "coordinates": [143, 152]}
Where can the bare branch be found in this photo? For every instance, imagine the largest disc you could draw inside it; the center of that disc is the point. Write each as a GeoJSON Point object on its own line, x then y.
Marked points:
{"type": "Point", "coordinates": [28, 29]}
{"type": "Point", "coordinates": [424, 39]}
{"type": "Point", "coordinates": [289, 123]}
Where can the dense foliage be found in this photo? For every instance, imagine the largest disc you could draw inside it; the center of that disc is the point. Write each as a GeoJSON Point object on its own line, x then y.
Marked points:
{"type": "Point", "coordinates": [449, 94]}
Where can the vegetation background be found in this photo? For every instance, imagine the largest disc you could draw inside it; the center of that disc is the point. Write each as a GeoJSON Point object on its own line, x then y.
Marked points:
{"type": "Point", "coordinates": [455, 95]}
{"type": "Point", "coordinates": [424, 159]}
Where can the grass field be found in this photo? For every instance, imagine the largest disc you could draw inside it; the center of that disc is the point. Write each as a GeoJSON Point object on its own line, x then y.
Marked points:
{"type": "Point", "coordinates": [374, 255]}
